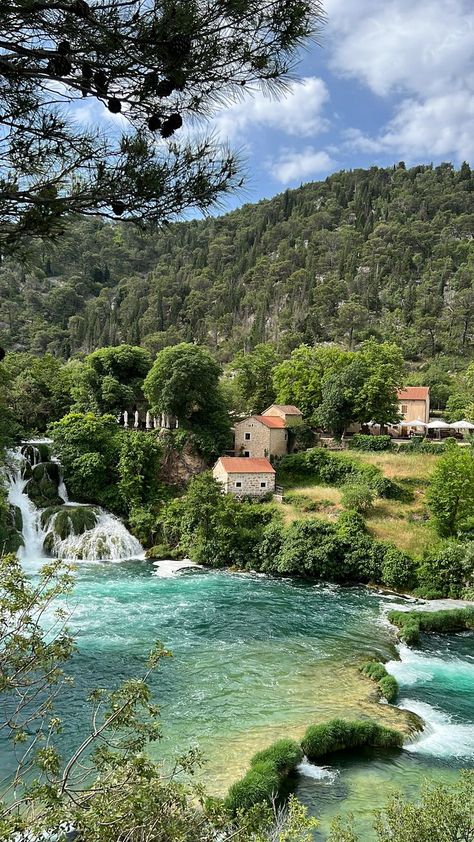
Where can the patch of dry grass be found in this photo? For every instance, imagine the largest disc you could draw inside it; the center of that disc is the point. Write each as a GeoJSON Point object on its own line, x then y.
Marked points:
{"type": "Point", "coordinates": [412, 466]}
{"type": "Point", "coordinates": [327, 497]}
{"type": "Point", "coordinates": [403, 524]}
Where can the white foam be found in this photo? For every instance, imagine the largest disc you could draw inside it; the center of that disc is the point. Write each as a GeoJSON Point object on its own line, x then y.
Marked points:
{"type": "Point", "coordinates": [109, 540]}
{"type": "Point", "coordinates": [168, 568]}
{"type": "Point", "coordinates": [318, 773]}
{"type": "Point", "coordinates": [442, 735]}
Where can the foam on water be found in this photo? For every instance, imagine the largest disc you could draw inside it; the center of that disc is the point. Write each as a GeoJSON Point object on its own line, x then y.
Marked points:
{"type": "Point", "coordinates": [317, 773]}
{"type": "Point", "coordinates": [109, 540]}
{"type": "Point", "coordinates": [442, 735]}
{"type": "Point", "coordinates": [416, 667]}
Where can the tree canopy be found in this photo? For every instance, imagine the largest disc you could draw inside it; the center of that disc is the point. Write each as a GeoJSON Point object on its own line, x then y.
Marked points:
{"type": "Point", "coordinates": [110, 379]}
{"type": "Point", "coordinates": [152, 68]}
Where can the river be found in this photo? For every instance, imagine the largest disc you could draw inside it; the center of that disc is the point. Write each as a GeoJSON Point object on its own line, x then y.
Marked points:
{"type": "Point", "coordinates": [257, 658]}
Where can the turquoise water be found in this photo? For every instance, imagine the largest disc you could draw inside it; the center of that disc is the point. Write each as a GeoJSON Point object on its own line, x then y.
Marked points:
{"type": "Point", "coordinates": [256, 659]}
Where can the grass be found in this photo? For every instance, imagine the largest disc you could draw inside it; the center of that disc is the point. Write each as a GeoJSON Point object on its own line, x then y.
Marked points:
{"type": "Point", "coordinates": [267, 777]}
{"type": "Point", "coordinates": [402, 524]}
{"type": "Point", "coordinates": [344, 735]}
{"type": "Point", "coordinates": [411, 623]}
{"type": "Point", "coordinates": [326, 497]}
{"type": "Point", "coordinates": [402, 466]}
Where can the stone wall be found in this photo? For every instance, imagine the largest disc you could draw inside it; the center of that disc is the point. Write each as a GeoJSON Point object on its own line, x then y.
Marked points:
{"type": "Point", "coordinates": [264, 441]}
{"type": "Point", "coordinates": [245, 484]}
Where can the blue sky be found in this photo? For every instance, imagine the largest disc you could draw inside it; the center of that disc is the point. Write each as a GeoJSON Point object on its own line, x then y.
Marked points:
{"type": "Point", "coordinates": [393, 80]}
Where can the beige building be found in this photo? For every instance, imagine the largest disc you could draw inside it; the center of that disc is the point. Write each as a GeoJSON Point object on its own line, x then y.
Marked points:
{"type": "Point", "coordinates": [414, 403]}
{"type": "Point", "coordinates": [244, 476]}
{"type": "Point", "coordinates": [290, 414]}
{"type": "Point", "coordinates": [266, 435]}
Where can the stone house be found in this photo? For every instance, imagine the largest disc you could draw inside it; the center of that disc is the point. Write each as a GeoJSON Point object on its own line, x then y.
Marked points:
{"type": "Point", "coordinates": [266, 435]}
{"type": "Point", "coordinates": [244, 476]}
{"type": "Point", "coordinates": [414, 403]}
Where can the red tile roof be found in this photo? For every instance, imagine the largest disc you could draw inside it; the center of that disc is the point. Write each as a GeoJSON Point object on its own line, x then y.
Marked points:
{"type": "Point", "coordinates": [245, 465]}
{"type": "Point", "coordinates": [413, 393]}
{"type": "Point", "coordinates": [273, 421]}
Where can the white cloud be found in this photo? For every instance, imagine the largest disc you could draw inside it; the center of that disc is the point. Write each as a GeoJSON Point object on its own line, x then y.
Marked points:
{"type": "Point", "coordinates": [420, 52]}
{"type": "Point", "coordinates": [402, 45]}
{"type": "Point", "coordinates": [297, 165]}
{"type": "Point", "coordinates": [298, 113]}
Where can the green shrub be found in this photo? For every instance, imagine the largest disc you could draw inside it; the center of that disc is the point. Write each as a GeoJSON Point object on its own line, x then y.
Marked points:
{"type": "Point", "coordinates": [387, 684]}
{"type": "Point", "coordinates": [411, 623]}
{"type": "Point", "coordinates": [302, 502]}
{"type": "Point", "coordinates": [337, 469]}
{"type": "Point", "coordinates": [285, 754]}
{"type": "Point", "coordinates": [447, 571]}
{"type": "Point", "coordinates": [357, 496]}
{"type": "Point", "coordinates": [342, 735]}
{"type": "Point", "coordinates": [389, 687]}
{"type": "Point", "coordinates": [267, 777]}
{"type": "Point", "coordinates": [398, 569]}
{"type": "Point", "coordinates": [363, 442]}
{"type": "Point", "coordinates": [374, 670]}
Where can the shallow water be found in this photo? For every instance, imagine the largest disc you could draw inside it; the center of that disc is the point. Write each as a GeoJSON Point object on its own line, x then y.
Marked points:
{"type": "Point", "coordinates": [256, 659]}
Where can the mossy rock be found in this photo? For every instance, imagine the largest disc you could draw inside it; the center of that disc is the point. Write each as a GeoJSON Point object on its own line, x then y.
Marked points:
{"type": "Point", "coordinates": [42, 488]}
{"type": "Point", "coordinates": [63, 521]}
{"type": "Point", "coordinates": [11, 538]}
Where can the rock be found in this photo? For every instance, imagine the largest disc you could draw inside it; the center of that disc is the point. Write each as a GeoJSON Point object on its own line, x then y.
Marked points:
{"type": "Point", "coordinates": [42, 487]}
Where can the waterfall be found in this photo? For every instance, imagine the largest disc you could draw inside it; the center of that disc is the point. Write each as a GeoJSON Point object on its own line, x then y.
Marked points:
{"type": "Point", "coordinates": [107, 540]}
{"type": "Point", "coordinates": [33, 536]}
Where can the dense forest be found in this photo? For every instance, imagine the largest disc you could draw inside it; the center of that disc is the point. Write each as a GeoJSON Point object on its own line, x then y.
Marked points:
{"type": "Point", "coordinates": [383, 253]}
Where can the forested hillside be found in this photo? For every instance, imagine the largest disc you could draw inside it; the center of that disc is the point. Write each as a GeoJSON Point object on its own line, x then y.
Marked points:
{"type": "Point", "coordinates": [381, 252]}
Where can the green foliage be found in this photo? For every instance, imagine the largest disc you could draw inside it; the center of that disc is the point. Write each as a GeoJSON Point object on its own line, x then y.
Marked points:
{"type": "Point", "coordinates": [445, 812]}
{"type": "Point", "coordinates": [37, 390]}
{"type": "Point", "coordinates": [215, 528]}
{"type": "Point", "coordinates": [446, 570]}
{"type": "Point", "coordinates": [388, 684]}
{"type": "Point", "coordinates": [343, 735]}
{"type": "Point", "coordinates": [68, 520]}
{"type": "Point", "coordinates": [369, 443]}
{"type": "Point", "coordinates": [184, 382]}
{"type": "Point", "coordinates": [155, 71]}
{"type": "Point", "coordinates": [323, 467]}
{"type": "Point", "coordinates": [299, 379]}
{"type": "Point", "coordinates": [357, 496]}
{"type": "Point", "coordinates": [253, 378]}
{"type": "Point", "coordinates": [398, 570]}
{"type": "Point", "coordinates": [269, 772]}
{"type": "Point", "coordinates": [451, 491]}
{"type": "Point", "coordinates": [110, 379]}
{"type": "Point", "coordinates": [411, 623]}
{"type": "Point", "coordinates": [280, 268]}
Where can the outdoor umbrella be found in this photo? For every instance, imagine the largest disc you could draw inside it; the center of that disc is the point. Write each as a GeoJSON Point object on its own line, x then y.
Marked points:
{"type": "Point", "coordinates": [415, 423]}
{"type": "Point", "coordinates": [462, 425]}
{"type": "Point", "coordinates": [438, 424]}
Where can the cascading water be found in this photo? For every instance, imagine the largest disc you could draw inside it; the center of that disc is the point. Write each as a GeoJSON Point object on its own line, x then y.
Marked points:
{"type": "Point", "coordinates": [33, 535]}
{"type": "Point", "coordinates": [107, 539]}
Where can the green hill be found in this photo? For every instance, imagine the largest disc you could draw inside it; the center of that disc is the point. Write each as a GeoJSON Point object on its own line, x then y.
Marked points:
{"type": "Point", "coordinates": [380, 252]}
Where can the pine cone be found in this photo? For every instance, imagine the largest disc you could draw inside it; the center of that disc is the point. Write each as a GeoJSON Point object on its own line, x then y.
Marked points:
{"type": "Point", "coordinates": [114, 105]}
{"type": "Point", "coordinates": [81, 8]}
{"type": "Point", "coordinates": [165, 88]}
{"type": "Point", "coordinates": [154, 122]}
{"type": "Point", "coordinates": [173, 122]}
{"type": "Point", "coordinates": [118, 208]}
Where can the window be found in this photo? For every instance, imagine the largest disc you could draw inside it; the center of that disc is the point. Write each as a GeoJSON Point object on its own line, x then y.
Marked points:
{"type": "Point", "coordinates": [263, 485]}
{"type": "Point", "coordinates": [246, 452]}
{"type": "Point", "coordinates": [404, 408]}
{"type": "Point", "coordinates": [238, 485]}
{"type": "Point", "coordinates": [247, 436]}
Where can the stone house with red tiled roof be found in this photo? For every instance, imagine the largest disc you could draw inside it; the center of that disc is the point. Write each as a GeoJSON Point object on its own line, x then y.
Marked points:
{"type": "Point", "coordinates": [244, 476]}
{"type": "Point", "coordinates": [266, 435]}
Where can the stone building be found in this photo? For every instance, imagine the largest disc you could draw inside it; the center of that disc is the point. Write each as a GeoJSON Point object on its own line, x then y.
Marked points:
{"type": "Point", "coordinates": [244, 476]}
{"type": "Point", "coordinates": [266, 435]}
{"type": "Point", "coordinates": [414, 403]}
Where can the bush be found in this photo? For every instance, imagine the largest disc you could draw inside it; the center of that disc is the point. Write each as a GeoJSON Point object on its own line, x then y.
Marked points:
{"type": "Point", "coordinates": [388, 685]}
{"type": "Point", "coordinates": [285, 754]}
{"type": "Point", "coordinates": [342, 735]}
{"type": "Point", "coordinates": [411, 623]}
{"type": "Point", "coordinates": [267, 777]}
{"type": "Point", "coordinates": [362, 442]}
{"type": "Point", "coordinates": [358, 496]}
{"type": "Point", "coordinates": [398, 569]}
{"type": "Point", "coordinates": [337, 469]}
{"type": "Point", "coordinates": [447, 571]}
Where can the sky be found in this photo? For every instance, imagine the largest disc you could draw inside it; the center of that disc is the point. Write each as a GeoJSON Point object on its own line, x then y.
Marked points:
{"type": "Point", "coordinates": [391, 80]}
